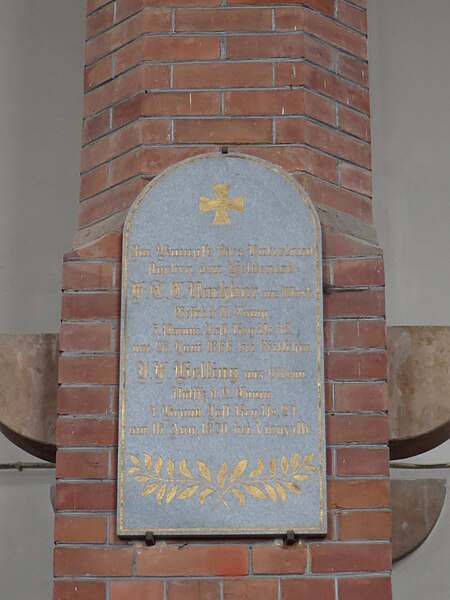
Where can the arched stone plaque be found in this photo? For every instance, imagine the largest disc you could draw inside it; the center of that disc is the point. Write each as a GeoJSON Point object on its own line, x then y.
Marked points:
{"type": "Point", "coordinates": [221, 411]}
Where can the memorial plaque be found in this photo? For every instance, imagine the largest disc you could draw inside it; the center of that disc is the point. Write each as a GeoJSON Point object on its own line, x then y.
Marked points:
{"type": "Point", "coordinates": [221, 412]}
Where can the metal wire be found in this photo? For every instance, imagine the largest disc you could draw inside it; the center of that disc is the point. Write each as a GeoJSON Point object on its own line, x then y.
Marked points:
{"type": "Point", "coordinates": [22, 466]}
{"type": "Point", "coordinates": [419, 466]}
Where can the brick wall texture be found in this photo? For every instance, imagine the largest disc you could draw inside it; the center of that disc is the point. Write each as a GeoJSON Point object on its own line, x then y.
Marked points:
{"type": "Point", "coordinates": [287, 81]}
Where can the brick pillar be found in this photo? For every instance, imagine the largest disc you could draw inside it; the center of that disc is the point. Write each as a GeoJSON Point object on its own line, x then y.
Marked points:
{"type": "Point", "coordinates": [286, 81]}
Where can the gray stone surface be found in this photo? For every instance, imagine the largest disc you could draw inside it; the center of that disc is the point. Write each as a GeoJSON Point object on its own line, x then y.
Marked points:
{"type": "Point", "coordinates": [221, 416]}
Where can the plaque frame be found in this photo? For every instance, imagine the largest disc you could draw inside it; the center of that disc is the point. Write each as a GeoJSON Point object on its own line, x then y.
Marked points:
{"type": "Point", "coordinates": [149, 532]}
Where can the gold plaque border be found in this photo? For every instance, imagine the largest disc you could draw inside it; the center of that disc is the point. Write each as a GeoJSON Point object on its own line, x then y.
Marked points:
{"type": "Point", "coordinates": [318, 529]}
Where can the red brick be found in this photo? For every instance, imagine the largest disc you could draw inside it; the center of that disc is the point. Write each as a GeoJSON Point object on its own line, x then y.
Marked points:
{"type": "Point", "coordinates": [341, 244]}
{"type": "Point", "coordinates": [137, 590]}
{"type": "Point", "coordinates": [86, 432]}
{"type": "Point", "coordinates": [309, 588]}
{"type": "Point", "coordinates": [88, 369]}
{"type": "Point", "coordinates": [222, 75]}
{"type": "Point", "coordinates": [95, 127]}
{"type": "Point", "coordinates": [82, 464]}
{"type": "Point", "coordinates": [369, 588]}
{"type": "Point", "coordinates": [298, 19]}
{"type": "Point", "coordinates": [194, 589]}
{"type": "Point", "coordinates": [156, 76]}
{"type": "Point", "coordinates": [275, 558]}
{"type": "Point", "coordinates": [183, 3]}
{"type": "Point", "coordinates": [98, 73]}
{"type": "Point", "coordinates": [90, 306]}
{"type": "Point", "coordinates": [335, 34]}
{"type": "Point", "coordinates": [167, 48]}
{"type": "Point", "coordinates": [94, 182]}
{"type": "Point", "coordinates": [88, 276]}
{"type": "Point", "coordinates": [333, 86]}
{"type": "Point", "coordinates": [357, 428]}
{"type": "Point", "coordinates": [292, 130]}
{"type": "Point", "coordinates": [328, 397]}
{"type": "Point", "coordinates": [92, 5]}
{"type": "Point", "coordinates": [278, 102]}
{"type": "Point", "coordinates": [85, 497]}
{"type": "Point", "coordinates": [223, 131]}
{"type": "Point", "coordinates": [127, 111]}
{"type": "Point", "coordinates": [319, 53]}
{"type": "Point", "coordinates": [113, 537]}
{"type": "Point", "coordinates": [338, 199]}
{"type": "Point", "coordinates": [328, 84]}
{"type": "Point", "coordinates": [329, 461]}
{"type": "Point", "coordinates": [354, 123]}
{"type": "Point", "coordinates": [108, 245]}
{"type": "Point", "coordinates": [83, 400]}
{"type": "Point", "coordinates": [359, 334]}
{"type": "Point", "coordinates": [290, 19]}
{"type": "Point", "coordinates": [320, 108]}
{"type": "Point", "coordinates": [190, 560]}
{"type": "Point", "coordinates": [326, 272]}
{"type": "Point", "coordinates": [154, 160]}
{"type": "Point", "coordinates": [79, 590]}
{"type": "Point", "coordinates": [100, 20]}
{"type": "Point", "coordinates": [355, 365]}
{"type": "Point", "coordinates": [358, 493]}
{"type": "Point", "coordinates": [352, 16]}
{"type": "Point", "coordinates": [73, 529]}
{"type": "Point", "coordinates": [365, 303]}
{"type": "Point", "coordinates": [361, 396]}
{"type": "Point", "coordinates": [127, 165]}
{"type": "Point", "coordinates": [110, 40]}
{"type": "Point", "coordinates": [354, 69]}
{"type": "Point", "coordinates": [325, 6]}
{"type": "Point", "coordinates": [93, 337]}
{"type": "Point", "coordinates": [250, 589]}
{"type": "Point", "coordinates": [327, 333]}
{"type": "Point", "coordinates": [331, 529]}
{"type": "Point", "coordinates": [348, 558]}
{"type": "Point", "coordinates": [356, 179]}
{"type": "Point", "coordinates": [294, 158]}
{"type": "Point", "coordinates": [364, 525]}
{"type": "Point", "coordinates": [362, 461]}
{"type": "Point", "coordinates": [181, 103]}
{"type": "Point", "coordinates": [126, 8]}
{"type": "Point", "coordinates": [113, 465]}
{"type": "Point", "coordinates": [265, 46]}
{"type": "Point", "coordinates": [97, 562]}
{"type": "Point", "coordinates": [223, 19]}
{"type": "Point", "coordinates": [114, 144]}
{"type": "Point", "coordinates": [154, 21]}
{"type": "Point", "coordinates": [108, 203]}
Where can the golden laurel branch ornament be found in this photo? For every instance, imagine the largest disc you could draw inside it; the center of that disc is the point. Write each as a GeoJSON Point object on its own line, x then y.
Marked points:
{"type": "Point", "coordinates": [169, 481]}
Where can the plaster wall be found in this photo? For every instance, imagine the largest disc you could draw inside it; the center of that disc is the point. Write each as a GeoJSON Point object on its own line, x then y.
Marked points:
{"type": "Point", "coordinates": [41, 87]}
{"type": "Point", "coordinates": [409, 48]}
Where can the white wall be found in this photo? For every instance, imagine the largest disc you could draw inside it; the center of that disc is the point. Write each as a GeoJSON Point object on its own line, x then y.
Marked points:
{"type": "Point", "coordinates": [41, 70]}
{"type": "Point", "coordinates": [409, 48]}
{"type": "Point", "coordinates": [41, 58]}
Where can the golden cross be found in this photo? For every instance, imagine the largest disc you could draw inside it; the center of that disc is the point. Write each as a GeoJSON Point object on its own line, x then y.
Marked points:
{"type": "Point", "coordinates": [222, 204]}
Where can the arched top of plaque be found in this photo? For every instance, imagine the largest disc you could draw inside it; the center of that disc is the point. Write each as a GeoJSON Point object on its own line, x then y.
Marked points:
{"type": "Point", "coordinates": [221, 421]}
{"type": "Point", "coordinates": [220, 186]}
